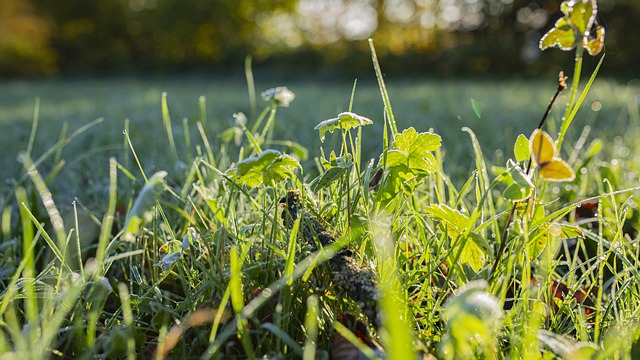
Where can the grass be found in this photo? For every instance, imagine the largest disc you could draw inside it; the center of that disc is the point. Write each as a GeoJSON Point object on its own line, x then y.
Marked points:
{"type": "Point", "coordinates": [444, 105]}
{"type": "Point", "coordinates": [102, 258]}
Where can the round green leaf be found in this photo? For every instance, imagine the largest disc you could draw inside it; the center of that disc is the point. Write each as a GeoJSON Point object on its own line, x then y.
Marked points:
{"type": "Point", "coordinates": [521, 148]}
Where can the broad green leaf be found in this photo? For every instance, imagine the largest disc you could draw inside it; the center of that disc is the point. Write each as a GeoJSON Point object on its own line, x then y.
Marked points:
{"type": "Point", "coordinates": [455, 221]}
{"type": "Point", "coordinates": [416, 144]}
{"type": "Point", "coordinates": [396, 157]}
{"type": "Point", "coordinates": [521, 148]}
{"type": "Point", "coordinates": [414, 149]}
{"type": "Point", "coordinates": [142, 209]}
{"type": "Point", "coordinates": [482, 243]}
{"type": "Point", "coordinates": [344, 121]}
{"type": "Point", "coordinates": [520, 178]}
{"type": "Point", "coordinates": [562, 35]}
{"type": "Point", "coordinates": [521, 188]}
{"type": "Point", "coordinates": [280, 169]}
{"type": "Point", "coordinates": [399, 179]}
{"type": "Point", "coordinates": [581, 13]}
{"type": "Point", "coordinates": [268, 167]}
{"type": "Point", "coordinates": [473, 255]}
{"type": "Point", "coordinates": [515, 192]}
{"type": "Point", "coordinates": [329, 177]}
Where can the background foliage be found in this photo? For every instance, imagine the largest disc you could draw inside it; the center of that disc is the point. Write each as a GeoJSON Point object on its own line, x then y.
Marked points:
{"type": "Point", "coordinates": [430, 36]}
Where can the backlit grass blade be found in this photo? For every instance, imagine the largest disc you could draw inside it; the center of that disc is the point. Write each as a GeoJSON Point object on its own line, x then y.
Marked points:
{"type": "Point", "coordinates": [109, 216]}
{"type": "Point", "coordinates": [311, 328]}
{"type": "Point", "coordinates": [251, 86]}
{"type": "Point", "coordinates": [397, 334]}
{"type": "Point", "coordinates": [237, 301]}
{"type": "Point", "coordinates": [574, 110]}
{"type": "Point", "coordinates": [383, 90]}
{"type": "Point", "coordinates": [166, 121]}
{"type": "Point", "coordinates": [47, 200]}
{"type": "Point", "coordinates": [128, 320]}
{"type": "Point", "coordinates": [34, 126]}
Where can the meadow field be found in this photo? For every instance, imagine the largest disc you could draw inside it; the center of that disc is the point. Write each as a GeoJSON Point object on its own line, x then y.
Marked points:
{"type": "Point", "coordinates": [168, 228]}
{"type": "Point", "coordinates": [444, 105]}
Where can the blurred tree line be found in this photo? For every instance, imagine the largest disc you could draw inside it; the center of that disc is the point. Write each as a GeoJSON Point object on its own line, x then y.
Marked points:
{"type": "Point", "coordinates": [41, 37]}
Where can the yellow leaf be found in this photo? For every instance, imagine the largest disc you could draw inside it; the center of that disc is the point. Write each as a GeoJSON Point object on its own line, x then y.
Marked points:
{"type": "Point", "coordinates": [545, 155]}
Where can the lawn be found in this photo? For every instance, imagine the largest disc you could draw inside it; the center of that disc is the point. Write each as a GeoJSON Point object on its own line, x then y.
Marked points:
{"type": "Point", "coordinates": [444, 105]}
{"type": "Point", "coordinates": [220, 257]}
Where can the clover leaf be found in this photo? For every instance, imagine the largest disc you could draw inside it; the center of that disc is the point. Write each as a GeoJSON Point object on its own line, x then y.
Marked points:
{"type": "Point", "coordinates": [344, 121]}
{"type": "Point", "coordinates": [268, 167]}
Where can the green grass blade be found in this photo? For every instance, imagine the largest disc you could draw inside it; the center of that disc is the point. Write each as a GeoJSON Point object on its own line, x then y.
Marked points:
{"type": "Point", "coordinates": [47, 200]}
{"type": "Point", "coordinates": [202, 103]}
{"type": "Point", "coordinates": [237, 301]}
{"type": "Point", "coordinates": [207, 146]}
{"type": "Point", "coordinates": [311, 328]}
{"type": "Point", "coordinates": [574, 110]}
{"type": "Point", "coordinates": [397, 336]}
{"type": "Point", "coordinates": [34, 126]}
{"type": "Point", "coordinates": [128, 320]}
{"type": "Point", "coordinates": [251, 86]}
{"type": "Point", "coordinates": [109, 216]}
{"type": "Point", "coordinates": [383, 90]}
{"type": "Point", "coordinates": [166, 121]}
{"type": "Point", "coordinates": [291, 253]}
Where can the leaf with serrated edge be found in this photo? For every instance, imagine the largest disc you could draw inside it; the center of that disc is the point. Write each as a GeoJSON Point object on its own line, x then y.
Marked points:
{"type": "Point", "coordinates": [412, 148]}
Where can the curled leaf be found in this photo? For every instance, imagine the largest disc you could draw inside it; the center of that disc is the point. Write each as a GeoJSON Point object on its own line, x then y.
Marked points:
{"type": "Point", "coordinates": [344, 121]}
{"type": "Point", "coordinates": [562, 36]}
{"type": "Point", "coordinates": [142, 208]}
{"type": "Point", "coordinates": [595, 45]}
{"type": "Point", "coordinates": [169, 253]}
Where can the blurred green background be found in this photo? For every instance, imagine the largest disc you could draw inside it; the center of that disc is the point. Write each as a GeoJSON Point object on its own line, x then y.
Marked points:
{"type": "Point", "coordinates": [431, 37]}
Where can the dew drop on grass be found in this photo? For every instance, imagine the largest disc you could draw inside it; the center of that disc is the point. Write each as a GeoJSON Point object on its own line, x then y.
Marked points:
{"type": "Point", "coordinates": [583, 171]}
{"type": "Point", "coordinates": [124, 132]}
{"type": "Point", "coordinates": [266, 293]}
